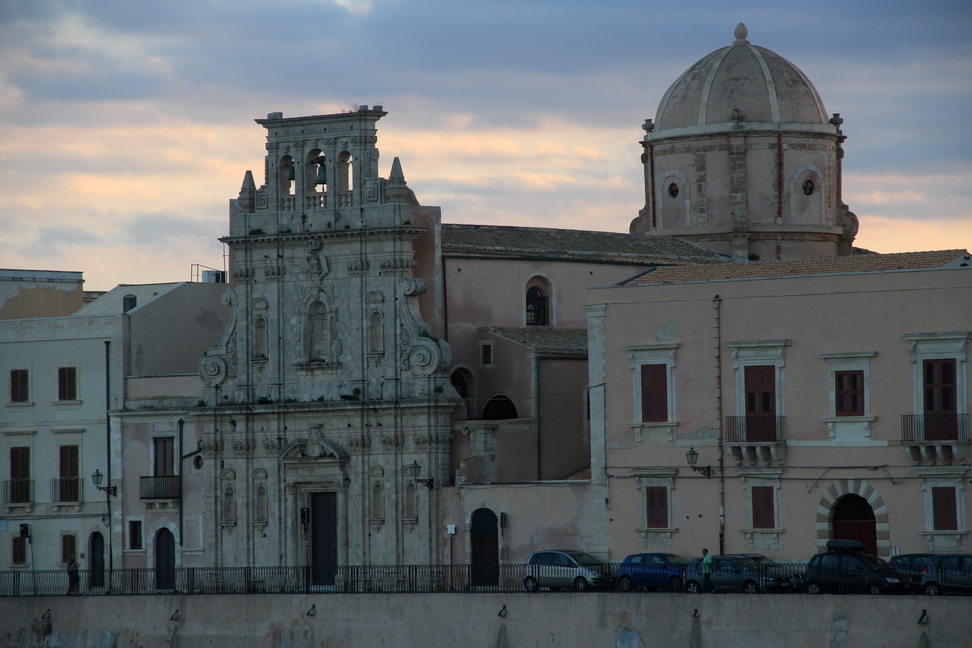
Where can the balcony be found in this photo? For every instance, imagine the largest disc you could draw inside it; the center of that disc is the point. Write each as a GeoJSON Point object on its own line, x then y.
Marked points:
{"type": "Point", "coordinates": [66, 490]}
{"type": "Point", "coordinates": [755, 439]}
{"type": "Point", "coordinates": [940, 438]}
{"type": "Point", "coordinates": [17, 492]}
{"type": "Point", "coordinates": [156, 488]}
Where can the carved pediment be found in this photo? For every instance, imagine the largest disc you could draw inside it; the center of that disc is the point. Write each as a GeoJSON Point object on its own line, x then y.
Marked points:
{"type": "Point", "coordinates": [315, 448]}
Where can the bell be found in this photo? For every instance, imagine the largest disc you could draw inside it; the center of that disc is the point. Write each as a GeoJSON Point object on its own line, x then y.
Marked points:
{"type": "Point", "coordinates": [321, 175]}
{"type": "Point", "coordinates": [293, 174]}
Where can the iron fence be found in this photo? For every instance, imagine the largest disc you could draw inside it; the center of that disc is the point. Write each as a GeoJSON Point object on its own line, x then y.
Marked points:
{"type": "Point", "coordinates": [165, 487]}
{"type": "Point", "coordinates": [943, 426]}
{"type": "Point", "coordinates": [17, 491]}
{"type": "Point", "coordinates": [755, 428]}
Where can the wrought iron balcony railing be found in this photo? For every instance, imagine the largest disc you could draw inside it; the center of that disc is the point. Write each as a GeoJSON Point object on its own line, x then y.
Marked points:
{"type": "Point", "coordinates": [159, 487]}
{"type": "Point", "coordinates": [754, 429]}
{"type": "Point", "coordinates": [66, 489]}
{"type": "Point", "coordinates": [17, 491]}
{"type": "Point", "coordinates": [939, 426]}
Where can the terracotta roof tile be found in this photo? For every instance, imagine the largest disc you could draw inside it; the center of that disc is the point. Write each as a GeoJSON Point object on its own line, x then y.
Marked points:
{"type": "Point", "coordinates": [857, 263]}
{"type": "Point", "coordinates": [544, 339]}
{"type": "Point", "coordinates": [574, 245]}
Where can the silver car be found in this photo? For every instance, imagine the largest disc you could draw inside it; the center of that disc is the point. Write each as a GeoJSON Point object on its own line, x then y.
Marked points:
{"type": "Point", "coordinates": [557, 569]}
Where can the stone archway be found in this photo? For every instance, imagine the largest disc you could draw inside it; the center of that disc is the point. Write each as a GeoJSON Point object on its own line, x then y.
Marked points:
{"type": "Point", "coordinates": [838, 514]}
{"type": "Point", "coordinates": [485, 549]}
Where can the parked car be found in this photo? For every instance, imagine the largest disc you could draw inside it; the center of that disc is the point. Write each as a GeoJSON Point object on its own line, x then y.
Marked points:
{"type": "Point", "coordinates": [774, 576]}
{"type": "Point", "coordinates": [947, 574]}
{"type": "Point", "coordinates": [731, 573]}
{"type": "Point", "coordinates": [911, 564]}
{"type": "Point", "coordinates": [652, 570]}
{"type": "Point", "coordinates": [847, 569]}
{"type": "Point", "coordinates": [561, 568]}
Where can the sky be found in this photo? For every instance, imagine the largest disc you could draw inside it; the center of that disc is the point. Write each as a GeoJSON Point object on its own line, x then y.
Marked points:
{"type": "Point", "coordinates": [126, 125]}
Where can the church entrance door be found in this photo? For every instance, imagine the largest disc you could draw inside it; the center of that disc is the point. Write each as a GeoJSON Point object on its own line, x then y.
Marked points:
{"type": "Point", "coordinates": [854, 520]}
{"type": "Point", "coordinates": [485, 549]}
{"type": "Point", "coordinates": [323, 538]}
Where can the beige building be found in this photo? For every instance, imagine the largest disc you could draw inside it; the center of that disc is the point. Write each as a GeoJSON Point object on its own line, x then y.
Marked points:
{"type": "Point", "coordinates": [54, 425]}
{"type": "Point", "coordinates": [827, 397]}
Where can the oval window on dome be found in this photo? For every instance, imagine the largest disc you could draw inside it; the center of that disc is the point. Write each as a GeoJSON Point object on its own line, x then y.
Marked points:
{"type": "Point", "coordinates": [808, 187]}
{"type": "Point", "coordinates": [673, 190]}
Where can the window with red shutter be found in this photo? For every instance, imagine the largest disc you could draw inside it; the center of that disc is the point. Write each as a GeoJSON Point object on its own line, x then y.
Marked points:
{"type": "Point", "coordinates": [849, 393]}
{"type": "Point", "coordinates": [654, 393]}
{"type": "Point", "coordinates": [944, 510]}
{"type": "Point", "coordinates": [763, 517]}
{"type": "Point", "coordinates": [657, 507]}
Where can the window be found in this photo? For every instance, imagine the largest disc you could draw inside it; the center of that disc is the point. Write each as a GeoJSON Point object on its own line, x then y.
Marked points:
{"type": "Point", "coordinates": [69, 548]}
{"type": "Point", "coordinates": [653, 373]}
{"type": "Point", "coordinates": [849, 393]}
{"type": "Point", "coordinates": [129, 302]}
{"type": "Point", "coordinates": [67, 383]}
{"type": "Point", "coordinates": [941, 420]}
{"type": "Point", "coordinates": [944, 510]}
{"type": "Point", "coordinates": [260, 339]}
{"type": "Point", "coordinates": [164, 465]}
{"type": "Point", "coordinates": [377, 502]}
{"type": "Point", "coordinates": [318, 331]}
{"type": "Point", "coordinates": [654, 393]}
{"type": "Point", "coordinates": [376, 333]}
{"type": "Point", "coordinates": [260, 509]}
{"type": "Point", "coordinates": [135, 534]}
{"type": "Point", "coordinates": [19, 475]}
{"type": "Point", "coordinates": [410, 511]}
{"type": "Point", "coordinates": [19, 556]}
{"type": "Point", "coordinates": [657, 497]}
{"type": "Point", "coordinates": [19, 392]}
{"type": "Point", "coordinates": [486, 354]}
{"type": "Point", "coordinates": [69, 484]}
{"type": "Point", "coordinates": [536, 307]}
{"type": "Point", "coordinates": [763, 517]}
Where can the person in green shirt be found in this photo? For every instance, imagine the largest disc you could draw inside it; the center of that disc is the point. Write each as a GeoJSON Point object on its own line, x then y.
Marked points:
{"type": "Point", "coordinates": [706, 569]}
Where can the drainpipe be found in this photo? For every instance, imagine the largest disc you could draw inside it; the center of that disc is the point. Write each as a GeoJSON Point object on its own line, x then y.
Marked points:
{"type": "Point", "coordinates": [111, 553]}
{"type": "Point", "coordinates": [717, 315]}
{"type": "Point", "coordinates": [536, 408]}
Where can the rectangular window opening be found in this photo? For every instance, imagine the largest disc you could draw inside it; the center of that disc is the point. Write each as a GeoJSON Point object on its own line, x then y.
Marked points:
{"type": "Point", "coordinates": [486, 354]}
{"type": "Point", "coordinates": [654, 393]}
{"type": "Point", "coordinates": [19, 556]}
{"type": "Point", "coordinates": [18, 386]}
{"type": "Point", "coordinates": [944, 510]}
{"type": "Point", "coordinates": [67, 383]}
{"type": "Point", "coordinates": [657, 507]}
{"type": "Point", "coordinates": [849, 393]}
{"type": "Point", "coordinates": [763, 514]}
{"type": "Point", "coordinates": [69, 548]}
{"type": "Point", "coordinates": [134, 534]}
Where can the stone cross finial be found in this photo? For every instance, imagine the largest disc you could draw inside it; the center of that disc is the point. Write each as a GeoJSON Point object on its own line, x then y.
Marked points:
{"type": "Point", "coordinates": [741, 33]}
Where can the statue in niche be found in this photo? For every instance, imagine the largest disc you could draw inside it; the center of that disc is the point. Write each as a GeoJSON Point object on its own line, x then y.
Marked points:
{"type": "Point", "coordinates": [315, 446]}
{"type": "Point", "coordinates": [317, 267]}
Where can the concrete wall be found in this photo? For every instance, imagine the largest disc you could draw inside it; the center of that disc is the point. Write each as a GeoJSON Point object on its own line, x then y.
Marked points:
{"type": "Point", "coordinates": [446, 620]}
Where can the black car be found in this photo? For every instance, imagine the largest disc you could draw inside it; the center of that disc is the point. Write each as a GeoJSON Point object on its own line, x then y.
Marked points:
{"type": "Point", "coordinates": [847, 569]}
{"type": "Point", "coordinates": [912, 564]}
{"type": "Point", "coordinates": [947, 574]}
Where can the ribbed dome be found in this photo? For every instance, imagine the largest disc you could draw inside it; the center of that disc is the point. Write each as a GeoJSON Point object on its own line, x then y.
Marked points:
{"type": "Point", "coordinates": [763, 85]}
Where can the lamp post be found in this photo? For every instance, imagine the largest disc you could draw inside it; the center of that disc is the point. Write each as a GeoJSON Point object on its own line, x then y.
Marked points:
{"type": "Point", "coordinates": [692, 457]}
{"type": "Point", "coordinates": [415, 469]}
{"type": "Point", "coordinates": [96, 479]}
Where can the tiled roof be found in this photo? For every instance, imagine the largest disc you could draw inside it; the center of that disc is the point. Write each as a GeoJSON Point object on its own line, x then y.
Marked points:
{"type": "Point", "coordinates": [573, 245]}
{"type": "Point", "coordinates": [856, 263]}
{"type": "Point", "coordinates": [545, 339]}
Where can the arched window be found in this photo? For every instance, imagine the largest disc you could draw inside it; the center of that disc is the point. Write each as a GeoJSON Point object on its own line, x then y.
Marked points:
{"type": "Point", "coordinates": [377, 502]}
{"type": "Point", "coordinates": [536, 307]}
{"type": "Point", "coordinates": [229, 506]}
{"type": "Point", "coordinates": [129, 302]}
{"type": "Point", "coordinates": [376, 333]}
{"type": "Point", "coordinates": [165, 560]}
{"type": "Point", "coordinates": [459, 382]}
{"type": "Point", "coordinates": [317, 329]}
{"type": "Point", "coordinates": [344, 172]}
{"type": "Point", "coordinates": [260, 338]}
{"type": "Point", "coordinates": [316, 170]}
{"type": "Point", "coordinates": [499, 407]}
{"type": "Point", "coordinates": [410, 511]}
{"type": "Point", "coordinates": [485, 547]}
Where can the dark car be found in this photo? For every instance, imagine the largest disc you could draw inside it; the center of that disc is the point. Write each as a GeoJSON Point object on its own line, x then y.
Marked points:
{"type": "Point", "coordinates": [911, 564]}
{"type": "Point", "coordinates": [652, 570]}
{"type": "Point", "coordinates": [730, 574]}
{"type": "Point", "coordinates": [563, 568]}
{"type": "Point", "coordinates": [947, 574]}
{"type": "Point", "coordinates": [847, 569]}
{"type": "Point", "coordinates": [774, 576]}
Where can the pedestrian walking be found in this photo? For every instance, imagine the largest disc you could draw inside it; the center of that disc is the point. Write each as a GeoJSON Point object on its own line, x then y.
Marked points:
{"type": "Point", "coordinates": [706, 569]}
{"type": "Point", "coordinates": [73, 577]}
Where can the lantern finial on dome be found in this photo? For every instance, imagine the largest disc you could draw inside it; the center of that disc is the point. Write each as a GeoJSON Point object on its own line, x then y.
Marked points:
{"type": "Point", "coordinates": [741, 33]}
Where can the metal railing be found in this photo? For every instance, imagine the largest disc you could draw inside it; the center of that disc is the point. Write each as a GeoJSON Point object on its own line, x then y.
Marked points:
{"type": "Point", "coordinates": [17, 491]}
{"type": "Point", "coordinates": [943, 426]}
{"type": "Point", "coordinates": [66, 489]}
{"type": "Point", "coordinates": [166, 487]}
{"type": "Point", "coordinates": [755, 428]}
{"type": "Point", "coordinates": [346, 579]}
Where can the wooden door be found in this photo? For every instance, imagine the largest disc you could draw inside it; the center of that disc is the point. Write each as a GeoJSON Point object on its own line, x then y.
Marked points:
{"type": "Point", "coordinates": [324, 538]}
{"type": "Point", "coordinates": [165, 560]}
{"type": "Point", "coordinates": [760, 403]}
{"type": "Point", "coordinates": [854, 520]}
{"type": "Point", "coordinates": [941, 414]}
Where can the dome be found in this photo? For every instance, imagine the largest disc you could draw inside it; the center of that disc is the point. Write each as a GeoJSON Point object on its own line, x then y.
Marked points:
{"type": "Point", "coordinates": [761, 84]}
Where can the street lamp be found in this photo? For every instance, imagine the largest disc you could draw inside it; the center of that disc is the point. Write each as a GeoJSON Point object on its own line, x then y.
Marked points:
{"type": "Point", "coordinates": [692, 457]}
{"type": "Point", "coordinates": [415, 469]}
{"type": "Point", "coordinates": [96, 479]}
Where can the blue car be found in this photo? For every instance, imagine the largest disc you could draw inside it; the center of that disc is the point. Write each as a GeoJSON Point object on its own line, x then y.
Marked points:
{"type": "Point", "coordinates": [652, 571]}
